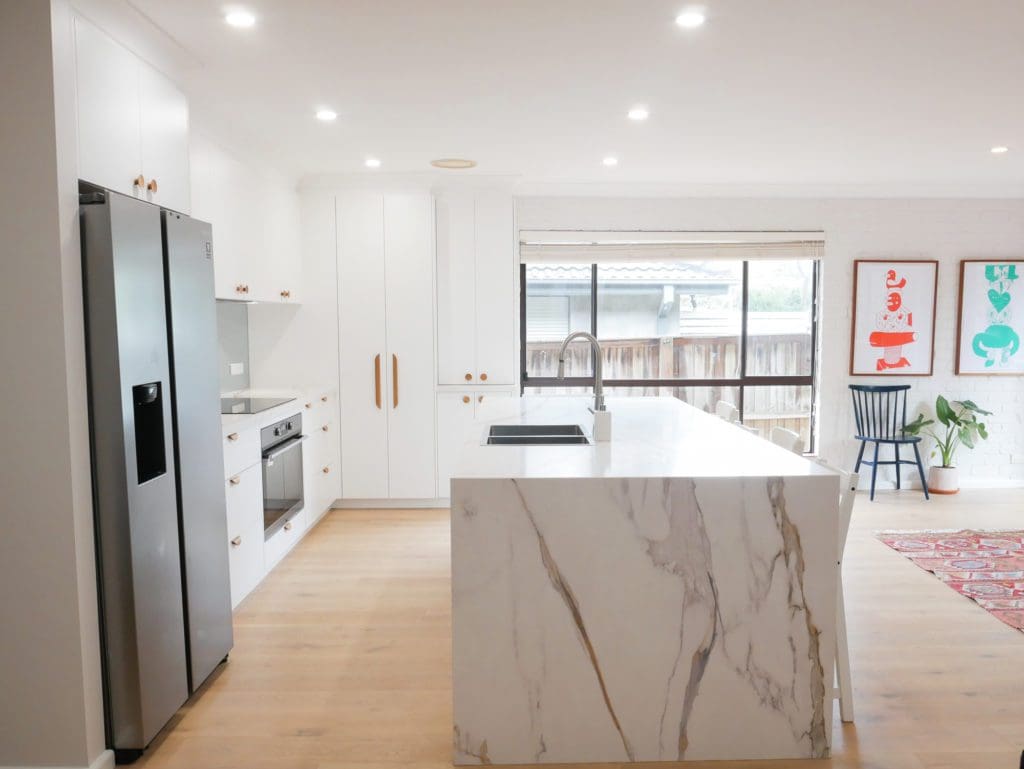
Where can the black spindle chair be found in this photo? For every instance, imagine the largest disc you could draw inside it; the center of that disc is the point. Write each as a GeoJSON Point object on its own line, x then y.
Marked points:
{"type": "Point", "coordinates": [881, 415]}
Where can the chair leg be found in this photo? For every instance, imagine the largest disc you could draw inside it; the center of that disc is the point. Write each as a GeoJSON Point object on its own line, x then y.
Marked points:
{"type": "Point", "coordinates": [874, 473]}
{"type": "Point", "coordinates": [843, 658]}
{"type": "Point", "coordinates": [896, 446]}
{"type": "Point", "coordinates": [860, 456]}
{"type": "Point", "coordinates": [920, 471]}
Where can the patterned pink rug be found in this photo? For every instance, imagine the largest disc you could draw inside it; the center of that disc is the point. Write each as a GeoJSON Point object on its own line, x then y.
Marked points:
{"type": "Point", "coordinates": [986, 566]}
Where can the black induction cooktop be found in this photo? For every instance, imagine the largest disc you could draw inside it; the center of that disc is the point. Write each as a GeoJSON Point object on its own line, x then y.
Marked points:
{"type": "Point", "coordinates": [250, 405]}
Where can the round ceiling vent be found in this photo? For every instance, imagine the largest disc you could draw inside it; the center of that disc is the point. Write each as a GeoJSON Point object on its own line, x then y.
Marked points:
{"type": "Point", "coordinates": [453, 163]}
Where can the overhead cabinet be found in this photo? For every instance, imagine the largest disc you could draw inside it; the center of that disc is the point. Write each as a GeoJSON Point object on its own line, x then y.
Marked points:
{"type": "Point", "coordinates": [256, 227]}
{"type": "Point", "coordinates": [476, 279]}
{"type": "Point", "coordinates": [386, 341]}
{"type": "Point", "coordinates": [133, 123]}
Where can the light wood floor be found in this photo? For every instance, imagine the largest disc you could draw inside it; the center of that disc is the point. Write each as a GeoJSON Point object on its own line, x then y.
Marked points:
{"type": "Point", "coordinates": [342, 655]}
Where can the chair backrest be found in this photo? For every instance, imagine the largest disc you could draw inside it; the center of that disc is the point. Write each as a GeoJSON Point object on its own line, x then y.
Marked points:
{"type": "Point", "coordinates": [727, 411]}
{"type": "Point", "coordinates": [787, 439]}
{"type": "Point", "coordinates": [847, 495]}
{"type": "Point", "coordinates": [880, 411]}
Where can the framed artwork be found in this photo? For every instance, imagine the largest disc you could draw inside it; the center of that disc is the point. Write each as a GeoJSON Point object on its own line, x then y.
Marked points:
{"type": "Point", "coordinates": [990, 318]}
{"type": "Point", "coordinates": [893, 330]}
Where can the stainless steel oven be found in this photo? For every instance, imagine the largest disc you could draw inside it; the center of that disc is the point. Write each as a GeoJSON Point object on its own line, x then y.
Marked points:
{"type": "Point", "coordinates": [283, 494]}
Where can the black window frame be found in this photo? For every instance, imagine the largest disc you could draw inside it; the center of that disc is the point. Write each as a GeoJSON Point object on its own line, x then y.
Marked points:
{"type": "Point", "coordinates": [740, 382]}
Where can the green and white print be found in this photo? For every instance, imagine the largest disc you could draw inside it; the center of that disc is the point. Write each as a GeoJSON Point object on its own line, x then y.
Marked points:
{"type": "Point", "coordinates": [991, 317]}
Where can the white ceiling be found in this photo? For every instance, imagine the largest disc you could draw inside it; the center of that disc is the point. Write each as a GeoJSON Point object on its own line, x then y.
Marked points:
{"type": "Point", "coordinates": [880, 94]}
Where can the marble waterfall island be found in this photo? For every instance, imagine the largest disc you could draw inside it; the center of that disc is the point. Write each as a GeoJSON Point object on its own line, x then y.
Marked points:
{"type": "Point", "coordinates": [667, 596]}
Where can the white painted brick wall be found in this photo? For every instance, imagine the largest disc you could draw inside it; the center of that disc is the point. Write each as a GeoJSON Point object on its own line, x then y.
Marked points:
{"type": "Point", "coordinates": [947, 230]}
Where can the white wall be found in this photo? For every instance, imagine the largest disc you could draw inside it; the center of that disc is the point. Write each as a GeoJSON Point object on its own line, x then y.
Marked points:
{"type": "Point", "coordinates": [947, 230]}
{"type": "Point", "coordinates": [50, 706]}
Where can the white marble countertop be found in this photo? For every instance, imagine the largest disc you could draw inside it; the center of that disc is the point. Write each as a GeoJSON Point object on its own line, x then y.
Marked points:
{"type": "Point", "coordinates": [657, 437]}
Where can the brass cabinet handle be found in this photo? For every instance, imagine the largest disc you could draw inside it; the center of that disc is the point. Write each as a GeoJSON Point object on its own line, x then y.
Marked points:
{"type": "Point", "coordinates": [465, 399]}
{"type": "Point", "coordinates": [323, 399]}
{"type": "Point", "coordinates": [288, 526]}
{"type": "Point", "coordinates": [480, 399]}
{"type": "Point", "coordinates": [326, 470]}
{"type": "Point", "coordinates": [309, 405]}
{"type": "Point", "coordinates": [235, 481]}
{"type": "Point", "coordinates": [376, 380]}
{"type": "Point", "coordinates": [139, 181]}
{"type": "Point", "coordinates": [286, 294]}
{"type": "Point", "coordinates": [246, 289]}
{"type": "Point", "coordinates": [324, 428]}
{"type": "Point", "coordinates": [240, 289]}
{"type": "Point", "coordinates": [233, 436]}
{"type": "Point", "coordinates": [394, 380]}
{"type": "Point", "coordinates": [236, 541]}
{"type": "Point", "coordinates": [483, 377]}
{"type": "Point", "coordinates": [469, 377]}
{"type": "Point", "coordinates": [152, 187]}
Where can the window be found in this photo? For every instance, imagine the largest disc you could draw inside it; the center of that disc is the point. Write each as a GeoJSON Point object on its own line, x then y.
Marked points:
{"type": "Point", "coordinates": [702, 331]}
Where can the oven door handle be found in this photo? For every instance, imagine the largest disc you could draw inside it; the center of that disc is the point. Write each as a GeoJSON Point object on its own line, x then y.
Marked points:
{"type": "Point", "coordinates": [288, 445]}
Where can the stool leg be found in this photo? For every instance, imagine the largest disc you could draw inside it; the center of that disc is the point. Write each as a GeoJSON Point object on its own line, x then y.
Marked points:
{"type": "Point", "coordinates": [920, 471]}
{"type": "Point", "coordinates": [896, 446]}
{"type": "Point", "coordinates": [860, 456]}
{"type": "Point", "coordinates": [874, 473]}
{"type": "Point", "coordinates": [843, 659]}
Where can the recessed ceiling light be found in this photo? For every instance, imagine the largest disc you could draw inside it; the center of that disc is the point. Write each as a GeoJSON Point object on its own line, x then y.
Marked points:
{"type": "Point", "coordinates": [326, 115]}
{"type": "Point", "coordinates": [1000, 150]}
{"type": "Point", "coordinates": [638, 113]}
{"type": "Point", "coordinates": [240, 19]}
{"type": "Point", "coordinates": [690, 18]}
{"type": "Point", "coordinates": [453, 163]}
{"type": "Point", "coordinates": [611, 160]}
{"type": "Point", "coordinates": [372, 163]}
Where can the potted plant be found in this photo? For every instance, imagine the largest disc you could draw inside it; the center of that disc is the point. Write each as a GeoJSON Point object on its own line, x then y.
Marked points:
{"type": "Point", "coordinates": [959, 426]}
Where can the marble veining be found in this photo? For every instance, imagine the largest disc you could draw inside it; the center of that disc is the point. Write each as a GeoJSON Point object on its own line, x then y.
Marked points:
{"type": "Point", "coordinates": [642, 619]}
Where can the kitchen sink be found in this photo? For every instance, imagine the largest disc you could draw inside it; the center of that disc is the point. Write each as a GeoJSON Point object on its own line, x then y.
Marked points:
{"type": "Point", "coordinates": [536, 435]}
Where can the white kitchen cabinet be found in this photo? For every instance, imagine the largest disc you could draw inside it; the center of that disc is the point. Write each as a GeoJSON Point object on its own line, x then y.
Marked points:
{"type": "Point", "coordinates": [281, 247]}
{"type": "Point", "coordinates": [132, 123]}
{"type": "Point", "coordinates": [283, 540]}
{"type": "Point", "coordinates": [256, 226]}
{"type": "Point", "coordinates": [476, 303]}
{"type": "Point", "coordinates": [163, 122]}
{"type": "Point", "coordinates": [244, 494]}
{"type": "Point", "coordinates": [362, 345]}
{"type": "Point", "coordinates": [385, 295]}
{"type": "Point", "coordinates": [408, 256]}
{"type": "Point", "coordinates": [321, 454]}
{"type": "Point", "coordinates": [457, 415]}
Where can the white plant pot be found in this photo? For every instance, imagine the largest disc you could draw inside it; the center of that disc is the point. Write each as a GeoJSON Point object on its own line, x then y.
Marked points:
{"type": "Point", "coordinates": [943, 480]}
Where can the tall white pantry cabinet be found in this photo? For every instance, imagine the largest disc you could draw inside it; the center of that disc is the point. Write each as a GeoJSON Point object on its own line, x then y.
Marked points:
{"type": "Point", "coordinates": [386, 344]}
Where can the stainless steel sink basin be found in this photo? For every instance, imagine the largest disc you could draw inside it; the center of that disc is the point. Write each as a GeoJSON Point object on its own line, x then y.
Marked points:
{"type": "Point", "coordinates": [536, 435]}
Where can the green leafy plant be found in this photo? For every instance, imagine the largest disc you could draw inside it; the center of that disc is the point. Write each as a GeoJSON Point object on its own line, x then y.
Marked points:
{"type": "Point", "coordinates": [960, 426]}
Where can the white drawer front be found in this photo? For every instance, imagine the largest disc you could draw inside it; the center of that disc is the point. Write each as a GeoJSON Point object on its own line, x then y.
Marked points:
{"type": "Point", "coordinates": [244, 495]}
{"type": "Point", "coordinates": [327, 486]}
{"type": "Point", "coordinates": [283, 540]}
{"type": "Point", "coordinates": [245, 560]}
{"type": "Point", "coordinates": [241, 450]}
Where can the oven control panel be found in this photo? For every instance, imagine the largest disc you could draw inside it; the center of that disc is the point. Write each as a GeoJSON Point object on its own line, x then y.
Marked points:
{"type": "Point", "coordinates": [290, 427]}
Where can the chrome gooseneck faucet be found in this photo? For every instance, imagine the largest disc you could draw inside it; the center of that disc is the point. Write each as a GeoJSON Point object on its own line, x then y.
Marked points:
{"type": "Point", "coordinates": [598, 382]}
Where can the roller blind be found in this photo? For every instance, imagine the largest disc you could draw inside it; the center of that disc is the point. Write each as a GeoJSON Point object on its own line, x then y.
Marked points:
{"type": "Point", "coordinates": [594, 247]}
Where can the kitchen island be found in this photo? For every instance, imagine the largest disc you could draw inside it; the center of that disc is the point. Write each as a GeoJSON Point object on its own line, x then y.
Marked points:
{"type": "Point", "coordinates": [668, 595]}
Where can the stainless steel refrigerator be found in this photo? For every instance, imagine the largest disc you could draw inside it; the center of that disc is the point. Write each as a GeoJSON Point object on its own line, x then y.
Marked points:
{"type": "Point", "coordinates": [157, 463]}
